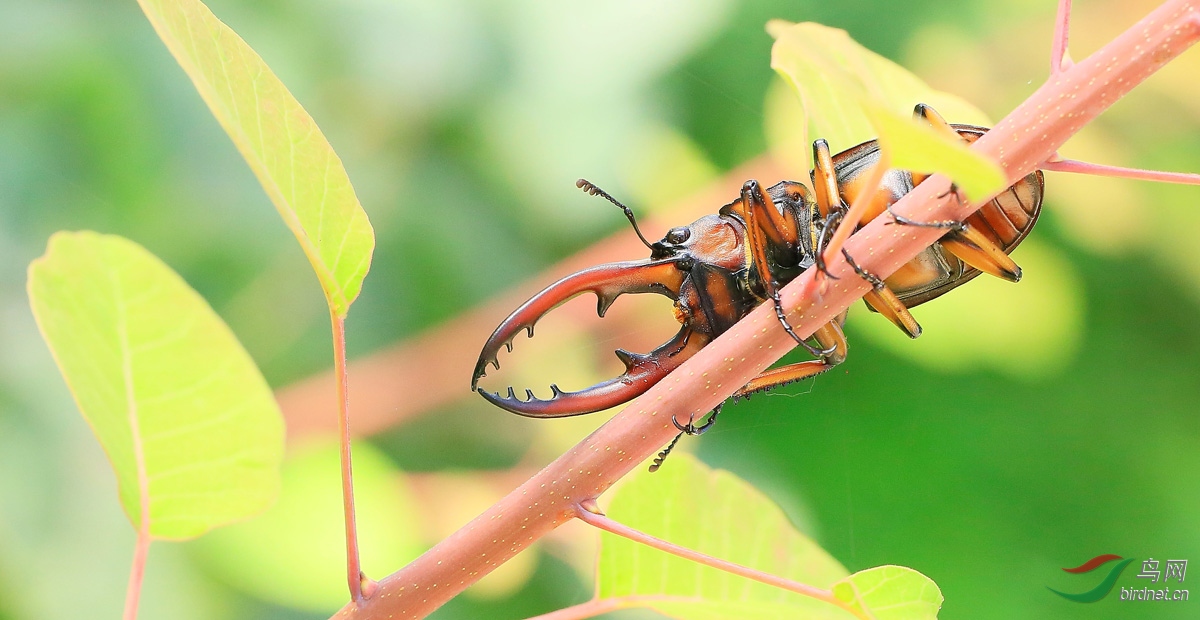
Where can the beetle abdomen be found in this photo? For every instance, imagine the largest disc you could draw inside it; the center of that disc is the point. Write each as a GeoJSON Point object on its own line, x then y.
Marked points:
{"type": "Point", "coordinates": [1006, 220]}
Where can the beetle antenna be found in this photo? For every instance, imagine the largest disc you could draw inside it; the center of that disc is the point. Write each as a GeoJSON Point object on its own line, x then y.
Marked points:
{"type": "Point", "coordinates": [588, 187]}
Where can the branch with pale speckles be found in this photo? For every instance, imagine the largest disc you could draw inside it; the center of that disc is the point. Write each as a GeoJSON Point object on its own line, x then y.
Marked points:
{"type": "Point", "coordinates": [1023, 141]}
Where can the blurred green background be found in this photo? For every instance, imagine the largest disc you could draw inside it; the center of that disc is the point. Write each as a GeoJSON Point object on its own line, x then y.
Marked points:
{"type": "Point", "coordinates": [1033, 427]}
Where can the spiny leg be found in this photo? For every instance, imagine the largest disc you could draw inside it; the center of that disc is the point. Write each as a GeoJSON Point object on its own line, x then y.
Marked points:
{"type": "Point", "coordinates": [779, 314]}
{"type": "Point", "coordinates": [970, 246]}
{"type": "Point", "coordinates": [662, 456]}
{"type": "Point", "coordinates": [884, 301]}
{"type": "Point", "coordinates": [829, 201]}
{"type": "Point", "coordinates": [691, 429]}
{"type": "Point", "coordinates": [978, 251]}
{"type": "Point", "coordinates": [950, 225]}
{"type": "Point", "coordinates": [829, 335]}
{"type": "Point", "coordinates": [925, 114]}
{"type": "Point", "coordinates": [762, 228]}
{"type": "Point", "coordinates": [685, 429]}
{"type": "Point", "coordinates": [928, 115]}
{"type": "Point", "coordinates": [827, 226]}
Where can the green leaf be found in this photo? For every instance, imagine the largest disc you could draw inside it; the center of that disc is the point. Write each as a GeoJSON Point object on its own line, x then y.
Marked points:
{"type": "Point", "coordinates": [295, 554]}
{"type": "Point", "coordinates": [891, 593]}
{"type": "Point", "coordinates": [834, 77]}
{"type": "Point", "coordinates": [157, 373]}
{"type": "Point", "coordinates": [716, 513]}
{"type": "Point", "coordinates": [281, 142]}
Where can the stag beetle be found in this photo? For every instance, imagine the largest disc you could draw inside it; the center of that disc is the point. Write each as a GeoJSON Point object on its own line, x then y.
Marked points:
{"type": "Point", "coordinates": [721, 266]}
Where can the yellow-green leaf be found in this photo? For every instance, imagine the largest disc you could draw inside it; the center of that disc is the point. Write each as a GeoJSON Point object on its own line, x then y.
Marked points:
{"type": "Point", "coordinates": [189, 424]}
{"type": "Point", "coordinates": [891, 593]}
{"type": "Point", "coordinates": [281, 142]}
{"type": "Point", "coordinates": [716, 513]}
{"type": "Point", "coordinates": [834, 77]}
{"type": "Point", "coordinates": [920, 148]}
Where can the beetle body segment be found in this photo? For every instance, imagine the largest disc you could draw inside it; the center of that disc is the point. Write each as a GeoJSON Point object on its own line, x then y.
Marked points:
{"type": "Point", "coordinates": [1006, 220]}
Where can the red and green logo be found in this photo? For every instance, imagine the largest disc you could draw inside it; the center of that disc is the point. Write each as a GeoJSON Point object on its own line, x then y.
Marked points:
{"type": "Point", "coordinates": [1104, 587]}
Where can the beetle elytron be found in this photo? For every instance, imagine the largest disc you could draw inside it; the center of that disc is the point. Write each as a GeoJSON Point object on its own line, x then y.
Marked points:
{"type": "Point", "coordinates": [721, 266]}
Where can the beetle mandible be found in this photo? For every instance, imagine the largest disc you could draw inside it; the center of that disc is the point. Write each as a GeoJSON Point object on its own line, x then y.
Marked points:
{"type": "Point", "coordinates": [718, 268]}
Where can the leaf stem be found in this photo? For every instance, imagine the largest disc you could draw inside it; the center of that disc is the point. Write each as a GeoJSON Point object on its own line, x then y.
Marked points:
{"type": "Point", "coordinates": [586, 513]}
{"type": "Point", "coordinates": [141, 549]}
{"type": "Point", "coordinates": [133, 591]}
{"type": "Point", "coordinates": [590, 609]}
{"type": "Point", "coordinates": [354, 575]}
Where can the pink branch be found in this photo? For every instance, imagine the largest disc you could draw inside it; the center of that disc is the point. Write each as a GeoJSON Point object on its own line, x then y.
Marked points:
{"type": "Point", "coordinates": [586, 514]}
{"type": "Point", "coordinates": [1102, 170]}
{"type": "Point", "coordinates": [1059, 58]}
{"type": "Point", "coordinates": [1028, 136]}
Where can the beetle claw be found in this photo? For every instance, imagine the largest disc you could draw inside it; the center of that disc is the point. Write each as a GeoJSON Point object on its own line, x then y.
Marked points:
{"type": "Point", "coordinates": [642, 371]}
{"type": "Point", "coordinates": [607, 282]}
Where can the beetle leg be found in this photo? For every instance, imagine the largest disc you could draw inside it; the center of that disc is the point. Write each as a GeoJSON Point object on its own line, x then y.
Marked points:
{"type": "Point", "coordinates": [829, 201]}
{"type": "Point", "coordinates": [825, 180]}
{"type": "Point", "coordinates": [884, 301]}
{"type": "Point", "coordinates": [766, 225]}
{"type": "Point", "coordinates": [829, 335]}
{"type": "Point", "coordinates": [662, 456]}
{"type": "Point", "coordinates": [829, 225]}
{"type": "Point", "coordinates": [951, 225]}
{"type": "Point", "coordinates": [691, 429]}
{"type": "Point", "coordinates": [929, 116]}
{"type": "Point", "coordinates": [969, 245]}
{"type": "Point", "coordinates": [976, 250]}
{"type": "Point", "coordinates": [686, 429]}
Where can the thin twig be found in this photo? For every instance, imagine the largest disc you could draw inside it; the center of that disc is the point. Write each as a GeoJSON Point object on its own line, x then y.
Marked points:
{"type": "Point", "coordinates": [1060, 59]}
{"type": "Point", "coordinates": [1103, 170]}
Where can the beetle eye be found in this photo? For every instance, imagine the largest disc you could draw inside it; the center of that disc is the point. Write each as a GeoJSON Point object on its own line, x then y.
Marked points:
{"type": "Point", "coordinates": [678, 235]}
